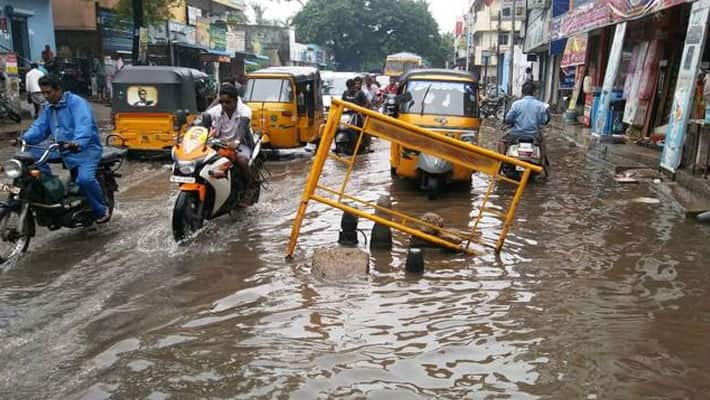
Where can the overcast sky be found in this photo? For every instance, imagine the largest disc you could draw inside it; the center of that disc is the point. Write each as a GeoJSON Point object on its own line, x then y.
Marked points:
{"type": "Point", "coordinates": [444, 11]}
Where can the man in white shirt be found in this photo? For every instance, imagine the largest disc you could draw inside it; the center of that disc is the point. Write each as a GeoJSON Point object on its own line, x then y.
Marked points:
{"type": "Point", "coordinates": [230, 122]}
{"type": "Point", "coordinates": [34, 93]}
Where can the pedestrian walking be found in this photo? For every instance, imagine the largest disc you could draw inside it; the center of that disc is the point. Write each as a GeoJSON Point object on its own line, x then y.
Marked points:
{"type": "Point", "coordinates": [34, 93]}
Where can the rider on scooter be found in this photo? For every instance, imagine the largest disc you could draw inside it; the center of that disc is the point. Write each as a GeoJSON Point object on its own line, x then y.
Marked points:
{"type": "Point", "coordinates": [230, 122]}
{"type": "Point", "coordinates": [526, 117]}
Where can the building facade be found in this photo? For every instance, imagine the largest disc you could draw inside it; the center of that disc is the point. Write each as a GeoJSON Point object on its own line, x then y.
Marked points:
{"type": "Point", "coordinates": [26, 27]}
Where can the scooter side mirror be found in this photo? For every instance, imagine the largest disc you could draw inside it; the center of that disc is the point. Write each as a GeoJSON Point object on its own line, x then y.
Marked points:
{"type": "Point", "coordinates": [403, 98]}
{"type": "Point", "coordinates": [180, 119]}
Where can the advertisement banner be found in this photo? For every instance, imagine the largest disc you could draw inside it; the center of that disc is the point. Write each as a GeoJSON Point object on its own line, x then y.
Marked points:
{"type": "Point", "coordinates": [685, 85]}
{"type": "Point", "coordinates": [575, 51]}
{"type": "Point", "coordinates": [202, 32]}
{"type": "Point", "coordinates": [218, 37]}
{"type": "Point", "coordinates": [182, 33]}
{"type": "Point", "coordinates": [632, 100]}
{"type": "Point", "coordinates": [612, 70]}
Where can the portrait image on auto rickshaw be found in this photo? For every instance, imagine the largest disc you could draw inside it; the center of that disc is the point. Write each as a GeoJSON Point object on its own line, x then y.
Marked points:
{"type": "Point", "coordinates": [142, 96]}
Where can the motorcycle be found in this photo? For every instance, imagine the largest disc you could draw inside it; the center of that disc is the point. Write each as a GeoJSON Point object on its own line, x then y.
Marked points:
{"type": "Point", "coordinates": [7, 111]}
{"type": "Point", "coordinates": [529, 149]}
{"type": "Point", "coordinates": [48, 200]}
{"type": "Point", "coordinates": [493, 107]}
{"type": "Point", "coordinates": [390, 105]}
{"type": "Point", "coordinates": [210, 186]}
{"type": "Point", "coordinates": [346, 137]}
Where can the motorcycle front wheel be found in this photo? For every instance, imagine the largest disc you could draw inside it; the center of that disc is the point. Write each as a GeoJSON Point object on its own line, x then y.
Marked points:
{"type": "Point", "coordinates": [14, 239]}
{"type": "Point", "coordinates": [187, 216]}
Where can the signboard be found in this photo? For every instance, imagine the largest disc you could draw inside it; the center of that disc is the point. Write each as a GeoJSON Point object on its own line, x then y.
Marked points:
{"type": "Point", "coordinates": [575, 51]}
{"type": "Point", "coordinates": [683, 97]}
{"type": "Point", "coordinates": [581, 19]}
{"type": "Point", "coordinates": [158, 34]}
{"type": "Point", "coordinates": [11, 64]}
{"type": "Point", "coordinates": [567, 78]}
{"type": "Point", "coordinates": [536, 34]}
{"type": "Point", "coordinates": [202, 29]}
{"type": "Point", "coordinates": [116, 33]}
{"type": "Point", "coordinates": [182, 33]}
{"type": "Point", "coordinates": [193, 13]}
{"type": "Point", "coordinates": [218, 37]}
{"type": "Point", "coordinates": [611, 70]}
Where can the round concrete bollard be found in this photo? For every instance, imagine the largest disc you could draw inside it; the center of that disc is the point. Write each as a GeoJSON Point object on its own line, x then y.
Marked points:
{"type": "Point", "coordinates": [381, 237]}
{"type": "Point", "coordinates": [415, 261]}
{"type": "Point", "coordinates": [348, 230]}
{"type": "Point", "coordinates": [339, 263]}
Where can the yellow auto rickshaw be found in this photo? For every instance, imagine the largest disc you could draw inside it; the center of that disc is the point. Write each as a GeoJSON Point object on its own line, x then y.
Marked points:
{"type": "Point", "coordinates": [145, 102]}
{"type": "Point", "coordinates": [444, 101]}
{"type": "Point", "coordinates": [286, 104]}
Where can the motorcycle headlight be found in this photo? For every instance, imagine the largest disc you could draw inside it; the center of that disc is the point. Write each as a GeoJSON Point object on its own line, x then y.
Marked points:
{"type": "Point", "coordinates": [13, 169]}
{"type": "Point", "coordinates": [344, 121]}
{"type": "Point", "coordinates": [186, 167]}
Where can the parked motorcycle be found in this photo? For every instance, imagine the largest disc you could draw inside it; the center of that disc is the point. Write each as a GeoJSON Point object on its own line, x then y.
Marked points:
{"type": "Point", "coordinates": [209, 185]}
{"type": "Point", "coordinates": [346, 137]}
{"type": "Point", "coordinates": [7, 112]}
{"type": "Point", "coordinates": [529, 149]}
{"type": "Point", "coordinates": [48, 200]}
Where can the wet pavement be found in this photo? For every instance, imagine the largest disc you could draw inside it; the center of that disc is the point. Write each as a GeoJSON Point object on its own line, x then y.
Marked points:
{"type": "Point", "coordinates": [594, 296]}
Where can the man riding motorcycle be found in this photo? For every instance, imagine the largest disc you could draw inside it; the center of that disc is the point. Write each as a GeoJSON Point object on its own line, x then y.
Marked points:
{"type": "Point", "coordinates": [526, 117]}
{"type": "Point", "coordinates": [354, 93]}
{"type": "Point", "coordinates": [230, 120]}
{"type": "Point", "coordinates": [68, 118]}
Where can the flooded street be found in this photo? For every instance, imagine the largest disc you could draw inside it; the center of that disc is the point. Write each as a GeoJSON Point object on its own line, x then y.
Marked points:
{"type": "Point", "coordinates": [594, 296]}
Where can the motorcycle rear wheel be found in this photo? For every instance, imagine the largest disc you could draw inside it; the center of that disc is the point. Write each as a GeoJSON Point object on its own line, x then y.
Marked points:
{"type": "Point", "coordinates": [12, 243]}
{"type": "Point", "coordinates": [187, 218]}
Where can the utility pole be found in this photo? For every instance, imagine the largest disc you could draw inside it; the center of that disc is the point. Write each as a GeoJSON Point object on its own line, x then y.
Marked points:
{"type": "Point", "coordinates": [512, 52]}
{"type": "Point", "coordinates": [137, 24]}
{"type": "Point", "coordinates": [499, 67]}
{"type": "Point", "coordinates": [467, 32]}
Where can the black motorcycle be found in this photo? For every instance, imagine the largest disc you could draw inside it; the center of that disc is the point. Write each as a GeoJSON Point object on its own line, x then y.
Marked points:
{"type": "Point", "coordinates": [47, 200]}
{"type": "Point", "coordinates": [346, 136]}
{"type": "Point", "coordinates": [493, 107]}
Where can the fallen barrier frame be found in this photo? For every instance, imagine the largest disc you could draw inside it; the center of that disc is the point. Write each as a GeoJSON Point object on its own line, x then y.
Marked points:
{"type": "Point", "coordinates": [419, 139]}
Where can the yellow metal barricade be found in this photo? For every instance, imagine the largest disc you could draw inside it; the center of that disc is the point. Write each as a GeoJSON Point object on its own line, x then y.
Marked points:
{"type": "Point", "coordinates": [419, 139]}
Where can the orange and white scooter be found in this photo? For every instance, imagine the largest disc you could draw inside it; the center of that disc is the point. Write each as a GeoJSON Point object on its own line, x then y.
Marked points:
{"type": "Point", "coordinates": [210, 186]}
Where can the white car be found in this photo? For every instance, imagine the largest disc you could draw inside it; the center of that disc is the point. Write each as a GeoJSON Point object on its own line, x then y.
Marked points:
{"type": "Point", "coordinates": [334, 86]}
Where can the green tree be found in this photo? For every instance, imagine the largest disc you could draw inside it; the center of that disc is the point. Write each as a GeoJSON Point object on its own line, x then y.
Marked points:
{"type": "Point", "coordinates": [362, 32]}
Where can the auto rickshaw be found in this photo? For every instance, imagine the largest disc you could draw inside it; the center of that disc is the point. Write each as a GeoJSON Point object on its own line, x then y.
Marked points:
{"type": "Point", "coordinates": [286, 104]}
{"type": "Point", "coordinates": [444, 101]}
{"type": "Point", "coordinates": [146, 99]}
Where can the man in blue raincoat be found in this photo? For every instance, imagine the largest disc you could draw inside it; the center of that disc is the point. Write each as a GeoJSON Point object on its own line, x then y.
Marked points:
{"type": "Point", "coordinates": [68, 118]}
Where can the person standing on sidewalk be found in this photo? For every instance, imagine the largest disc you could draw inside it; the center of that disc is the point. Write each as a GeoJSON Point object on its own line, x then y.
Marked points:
{"type": "Point", "coordinates": [34, 93]}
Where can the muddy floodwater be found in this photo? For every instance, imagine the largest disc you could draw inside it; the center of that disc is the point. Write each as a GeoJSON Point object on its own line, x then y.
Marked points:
{"type": "Point", "coordinates": [596, 295]}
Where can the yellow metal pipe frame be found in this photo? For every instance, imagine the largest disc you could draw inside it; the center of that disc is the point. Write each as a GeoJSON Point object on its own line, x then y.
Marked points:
{"type": "Point", "coordinates": [323, 153]}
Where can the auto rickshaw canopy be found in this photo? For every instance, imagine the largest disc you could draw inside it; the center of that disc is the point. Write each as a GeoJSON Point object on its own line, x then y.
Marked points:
{"type": "Point", "coordinates": [159, 89]}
